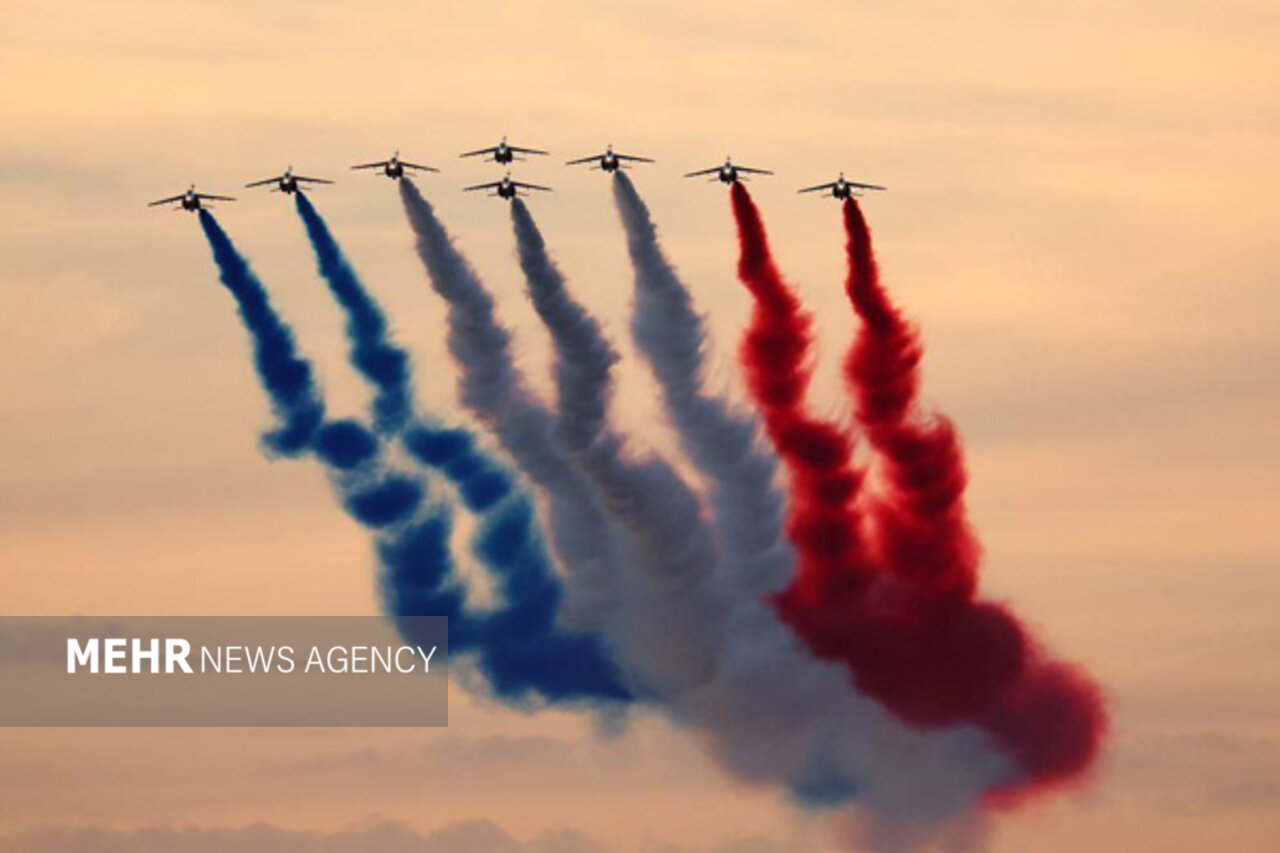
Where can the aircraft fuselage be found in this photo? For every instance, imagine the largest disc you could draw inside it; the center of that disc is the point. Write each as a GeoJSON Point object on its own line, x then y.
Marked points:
{"type": "Point", "coordinates": [728, 175]}
{"type": "Point", "coordinates": [503, 154]}
{"type": "Point", "coordinates": [393, 169]}
{"type": "Point", "coordinates": [506, 189]}
{"type": "Point", "coordinates": [191, 201]}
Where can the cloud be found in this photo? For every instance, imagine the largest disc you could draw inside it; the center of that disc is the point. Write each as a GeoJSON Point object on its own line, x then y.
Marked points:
{"type": "Point", "coordinates": [375, 836]}
{"type": "Point", "coordinates": [493, 765]}
{"type": "Point", "coordinates": [1201, 771]}
{"type": "Point", "coordinates": [481, 754]}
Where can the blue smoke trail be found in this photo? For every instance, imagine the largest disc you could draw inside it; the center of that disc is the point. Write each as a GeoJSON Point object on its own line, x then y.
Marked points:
{"type": "Point", "coordinates": [480, 481]}
{"type": "Point", "coordinates": [524, 650]}
{"type": "Point", "coordinates": [524, 654]}
{"type": "Point", "coordinates": [380, 361]}
{"type": "Point", "coordinates": [374, 497]}
{"type": "Point", "coordinates": [286, 377]}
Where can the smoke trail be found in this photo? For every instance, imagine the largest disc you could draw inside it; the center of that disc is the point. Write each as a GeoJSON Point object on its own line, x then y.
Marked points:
{"type": "Point", "coordinates": [748, 508]}
{"type": "Point", "coordinates": [768, 710]}
{"type": "Point", "coordinates": [480, 481]}
{"type": "Point", "coordinates": [373, 354]}
{"type": "Point", "coordinates": [491, 386]}
{"type": "Point", "coordinates": [913, 636]}
{"type": "Point", "coordinates": [1052, 717]}
{"type": "Point", "coordinates": [524, 649]}
{"type": "Point", "coordinates": [523, 652]}
{"type": "Point", "coordinates": [941, 664]}
{"type": "Point", "coordinates": [669, 545]}
{"type": "Point", "coordinates": [597, 552]}
{"type": "Point", "coordinates": [825, 523]}
{"type": "Point", "coordinates": [287, 378]}
{"type": "Point", "coordinates": [517, 647]}
{"type": "Point", "coordinates": [347, 448]}
{"type": "Point", "coordinates": [922, 531]}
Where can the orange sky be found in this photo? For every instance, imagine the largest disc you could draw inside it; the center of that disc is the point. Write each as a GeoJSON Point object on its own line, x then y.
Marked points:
{"type": "Point", "coordinates": [1082, 216]}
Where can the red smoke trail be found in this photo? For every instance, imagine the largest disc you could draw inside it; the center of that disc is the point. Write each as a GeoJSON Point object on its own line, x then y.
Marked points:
{"type": "Point", "coordinates": [1049, 716]}
{"type": "Point", "coordinates": [898, 609]}
{"type": "Point", "coordinates": [931, 659]}
{"type": "Point", "coordinates": [921, 527]}
{"type": "Point", "coordinates": [775, 353]}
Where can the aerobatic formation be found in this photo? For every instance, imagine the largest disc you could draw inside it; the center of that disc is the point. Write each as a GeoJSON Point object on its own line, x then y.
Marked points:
{"type": "Point", "coordinates": [809, 607]}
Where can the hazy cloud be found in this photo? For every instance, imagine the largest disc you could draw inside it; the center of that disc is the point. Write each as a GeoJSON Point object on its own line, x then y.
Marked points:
{"type": "Point", "coordinates": [477, 836]}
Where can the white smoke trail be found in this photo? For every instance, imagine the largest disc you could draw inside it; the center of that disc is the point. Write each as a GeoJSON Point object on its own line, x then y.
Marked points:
{"type": "Point", "coordinates": [493, 388]}
{"type": "Point", "coordinates": [671, 554]}
{"type": "Point", "coordinates": [724, 444]}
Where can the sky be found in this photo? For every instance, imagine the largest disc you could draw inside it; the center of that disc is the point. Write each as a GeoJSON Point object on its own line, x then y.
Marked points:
{"type": "Point", "coordinates": [1081, 216]}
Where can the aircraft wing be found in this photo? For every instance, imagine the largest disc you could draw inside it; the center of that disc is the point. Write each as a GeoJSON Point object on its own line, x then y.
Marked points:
{"type": "Point", "coordinates": [489, 186]}
{"type": "Point", "coordinates": [263, 182]}
{"type": "Point", "coordinates": [479, 151]}
{"type": "Point", "coordinates": [409, 165]}
{"type": "Point", "coordinates": [378, 165]}
{"type": "Point", "coordinates": [531, 186]}
{"type": "Point", "coordinates": [713, 170]}
{"type": "Point", "coordinates": [165, 201]}
{"type": "Point", "coordinates": [520, 150]}
{"type": "Point", "coordinates": [208, 197]}
{"type": "Point", "coordinates": [751, 171]}
{"type": "Point", "coordinates": [864, 186]}
{"type": "Point", "coordinates": [312, 180]}
{"type": "Point", "coordinates": [581, 160]}
{"type": "Point", "coordinates": [817, 187]}
{"type": "Point", "coordinates": [633, 158]}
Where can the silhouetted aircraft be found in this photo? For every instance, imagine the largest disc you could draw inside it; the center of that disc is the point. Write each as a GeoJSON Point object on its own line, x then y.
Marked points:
{"type": "Point", "coordinates": [840, 188]}
{"type": "Point", "coordinates": [506, 188]}
{"type": "Point", "coordinates": [728, 173]}
{"type": "Point", "coordinates": [288, 182]}
{"type": "Point", "coordinates": [502, 152]}
{"type": "Point", "coordinates": [191, 200]}
{"type": "Point", "coordinates": [609, 161]}
{"type": "Point", "coordinates": [394, 168]}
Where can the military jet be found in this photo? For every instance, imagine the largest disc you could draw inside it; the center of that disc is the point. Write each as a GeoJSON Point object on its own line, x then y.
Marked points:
{"type": "Point", "coordinates": [840, 188]}
{"type": "Point", "coordinates": [506, 188]}
{"type": "Point", "coordinates": [288, 182]}
{"type": "Point", "coordinates": [609, 161]}
{"type": "Point", "coordinates": [394, 168]}
{"type": "Point", "coordinates": [728, 173]}
{"type": "Point", "coordinates": [191, 200]}
{"type": "Point", "coordinates": [502, 152]}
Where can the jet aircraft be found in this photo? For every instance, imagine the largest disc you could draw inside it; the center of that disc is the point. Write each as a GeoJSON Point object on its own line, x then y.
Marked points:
{"type": "Point", "coordinates": [506, 188]}
{"type": "Point", "coordinates": [394, 168]}
{"type": "Point", "coordinates": [502, 152]}
{"type": "Point", "coordinates": [728, 173]}
{"type": "Point", "coordinates": [840, 188]}
{"type": "Point", "coordinates": [288, 182]}
{"type": "Point", "coordinates": [191, 200]}
{"type": "Point", "coordinates": [609, 161]}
